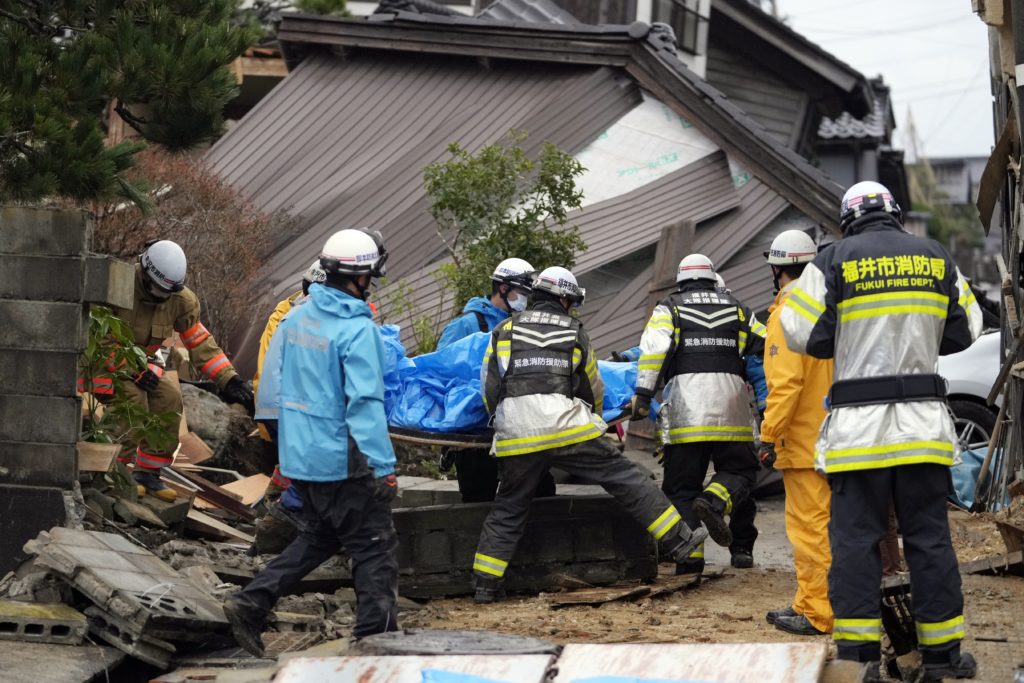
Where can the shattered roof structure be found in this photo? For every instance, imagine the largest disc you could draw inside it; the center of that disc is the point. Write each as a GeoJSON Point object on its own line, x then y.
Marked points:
{"type": "Point", "coordinates": [876, 125]}
{"type": "Point", "coordinates": [369, 103]}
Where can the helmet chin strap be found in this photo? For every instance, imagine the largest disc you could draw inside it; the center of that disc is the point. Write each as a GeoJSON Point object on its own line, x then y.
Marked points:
{"type": "Point", "coordinates": [776, 274]}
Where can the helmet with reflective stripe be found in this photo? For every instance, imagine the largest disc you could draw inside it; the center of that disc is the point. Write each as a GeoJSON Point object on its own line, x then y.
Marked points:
{"type": "Point", "coordinates": [354, 252]}
{"type": "Point", "coordinates": [561, 283]}
{"type": "Point", "coordinates": [865, 197]}
{"type": "Point", "coordinates": [515, 272]}
{"type": "Point", "coordinates": [164, 265]}
{"type": "Point", "coordinates": [791, 247]}
{"type": "Point", "coordinates": [315, 274]}
{"type": "Point", "coordinates": [695, 267]}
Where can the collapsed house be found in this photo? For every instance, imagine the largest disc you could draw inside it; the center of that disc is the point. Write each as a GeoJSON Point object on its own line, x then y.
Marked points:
{"type": "Point", "coordinates": [674, 164]}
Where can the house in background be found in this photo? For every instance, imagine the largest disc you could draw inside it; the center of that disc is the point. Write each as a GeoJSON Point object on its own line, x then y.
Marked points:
{"type": "Point", "coordinates": [674, 165]}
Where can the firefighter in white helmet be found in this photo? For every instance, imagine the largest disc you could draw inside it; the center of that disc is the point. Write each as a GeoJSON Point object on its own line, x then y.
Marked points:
{"type": "Point", "coordinates": [695, 344]}
{"type": "Point", "coordinates": [324, 376]}
{"type": "Point", "coordinates": [475, 469]}
{"type": "Point", "coordinates": [165, 306]}
{"type": "Point", "coordinates": [885, 304]}
{"type": "Point", "coordinates": [541, 386]}
{"type": "Point", "coordinates": [797, 387]}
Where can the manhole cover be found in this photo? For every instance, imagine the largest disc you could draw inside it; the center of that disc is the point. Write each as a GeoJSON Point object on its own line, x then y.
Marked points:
{"type": "Point", "coordinates": [440, 642]}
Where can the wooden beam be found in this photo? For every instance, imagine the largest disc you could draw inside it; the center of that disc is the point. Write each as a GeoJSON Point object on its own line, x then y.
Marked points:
{"type": "Point", "coordinates": [255, 66]}
{"type": "Point", "coordinates": [676, 241]}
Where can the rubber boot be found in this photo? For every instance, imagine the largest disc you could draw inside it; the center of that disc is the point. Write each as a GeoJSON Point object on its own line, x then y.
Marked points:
{"type": "Point", "coordinates": [246, 625]}
{"type": "Point", "coordinates": [488, 591]}
{"type": "Point", "coordinates": [742, 559]}
{"type": "Point", "coordinates": [711, 511]}
{"type": "Point", "coordinates": [150, 481]}
{"type": "Point", "coordinates": [961, 666]}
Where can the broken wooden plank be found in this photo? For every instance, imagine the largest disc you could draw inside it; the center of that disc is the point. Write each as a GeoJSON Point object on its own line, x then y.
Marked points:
{"type": "Point", "coordinates": [1011, 563]}
{"type": "Point", "coordinates": [671, 584]}
{"type": "Point", "coordinates": [207, 490]}
{"type": "Point", "coordinates": [320, 580]}
{"type": "Point", "coordinates": [251, 489]}
{"type": "Point", "coordinates": [96, 457]}
{"type": "Point", "coordinates": [211, 527]}
{"type": "Point", "coordinates": [598, 596]}
{"type": "Point", "coordinates": [193, 450]}
{"type": "Point", "coordinates": [1013, 535]}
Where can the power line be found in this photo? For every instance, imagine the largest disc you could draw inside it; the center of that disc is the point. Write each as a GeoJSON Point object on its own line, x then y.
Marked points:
{"type": "Point", "coordinates": [956, 105]}
{"type": "Point", "coordinates": [868, 31]}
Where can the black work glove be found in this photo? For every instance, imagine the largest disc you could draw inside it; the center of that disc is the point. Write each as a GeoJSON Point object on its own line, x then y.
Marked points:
{"type": "Point", "coordinates": [148, 381]}
{"type": "Point", "coordinates": [385, 488]}
{"type": "Point", "coordinates": [766, 454]}
{"type": "Point", "coordinates": [640, 407]}
{"type": "Point", "coordinates": [237, 391]}
{"type": "Point", "coordinates": [619, 357]}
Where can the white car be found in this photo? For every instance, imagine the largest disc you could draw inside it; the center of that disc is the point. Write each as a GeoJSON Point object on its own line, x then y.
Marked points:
{"type": "Point", "coordinates": [971, 374]}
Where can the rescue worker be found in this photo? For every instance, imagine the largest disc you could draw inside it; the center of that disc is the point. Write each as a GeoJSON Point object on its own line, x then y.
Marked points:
{"type": "Point", "coordinates": [885, 304]}
{"type": "Point", "coordinates": [540, 384]}
{"type": "Point", "coordinates": [164, 306]}
{"type": "Point", "coordinates": [696, 343]}
{"type": "Point", "coordinates": [797, 387]}
{"type": "Point", "coordinates": [475, 469]}
{"type": "Point", "coordinates": [325, 367]}
{"type": "Point", "coordinates": [313, 275]}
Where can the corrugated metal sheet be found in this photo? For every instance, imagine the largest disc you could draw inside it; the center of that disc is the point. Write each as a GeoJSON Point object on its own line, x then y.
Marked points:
{"type": "Point", "coordinates": [620, 322]}
{"type": "Point", "coordinates": [534, 11]}
{"type": "Point", "coordinates": [498, 668]}
{"type": "Point", "coordinates": [344, 143]}
{"type": "Point", "coordinates": [734, 662]}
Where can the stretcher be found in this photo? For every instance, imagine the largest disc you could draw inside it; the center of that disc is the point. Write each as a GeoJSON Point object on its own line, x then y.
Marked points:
{"type": "Point", "coordinates": [481, 439]}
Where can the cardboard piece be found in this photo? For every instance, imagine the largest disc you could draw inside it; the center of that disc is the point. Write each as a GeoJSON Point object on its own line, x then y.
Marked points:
{"type": "Point", "coordinates": [207, 526]}
{"type": "Point", "coordinates": [192, 450]}
{"type": "Point", "coordinates": [96, 457]}
{"type": "Point", "coordinates": [250, 489]}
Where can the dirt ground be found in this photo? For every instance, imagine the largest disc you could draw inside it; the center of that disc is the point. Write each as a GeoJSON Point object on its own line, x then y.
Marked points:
{"type": "Point", "coordinates": [732, 608]}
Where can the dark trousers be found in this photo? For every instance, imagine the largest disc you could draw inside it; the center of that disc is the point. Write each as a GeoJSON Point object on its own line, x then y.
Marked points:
{"type": "Point", "coordinates": [478, 473]}
{"type": "Point", "coordinates": [736, 467]}
{"type": "Point", "coordinates": [596, 461]}
{"type": "Point", "coordinates": [860, 520]}
{"type": "Point", "coordinates": [336, 515]}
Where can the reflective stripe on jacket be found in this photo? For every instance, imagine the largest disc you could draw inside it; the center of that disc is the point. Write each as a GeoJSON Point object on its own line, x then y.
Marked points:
{"type": "Point", "coordinates": [882, 302]}
{"type": "Point", "coordinates": [532, 422]}
{"type": "Point", "coordinates": [712, 330]}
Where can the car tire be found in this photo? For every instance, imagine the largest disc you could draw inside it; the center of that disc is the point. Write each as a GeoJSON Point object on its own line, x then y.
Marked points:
{"type": "Point", "coordinates": [969, 413]}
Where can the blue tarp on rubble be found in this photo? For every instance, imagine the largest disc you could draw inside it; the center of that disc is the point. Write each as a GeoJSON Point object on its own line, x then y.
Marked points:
{"type": "Point", "coordinates": [440, 391]}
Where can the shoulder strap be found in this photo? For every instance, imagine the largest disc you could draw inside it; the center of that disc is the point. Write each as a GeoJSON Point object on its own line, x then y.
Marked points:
{"type": "Point", "coordinates": [481, 321]}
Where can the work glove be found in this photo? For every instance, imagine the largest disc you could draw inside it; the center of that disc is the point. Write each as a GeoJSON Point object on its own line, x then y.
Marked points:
{"type": "Point", "coordinates": [618, 357]}
{"type": "Point", "coordinates": [385, 488]}
{"type": "Point", "coordinates": [766, 454]}
{"type": "Point", "coordinates": [237, 391]}
{"type": "Point", "coordinates": [148, 380]}
{"type": "Point", "coordinates": [640, 407]}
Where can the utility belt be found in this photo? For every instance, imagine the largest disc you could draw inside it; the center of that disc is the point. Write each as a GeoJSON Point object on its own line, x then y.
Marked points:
{"type": "Point", "coordinates": [887, 389]}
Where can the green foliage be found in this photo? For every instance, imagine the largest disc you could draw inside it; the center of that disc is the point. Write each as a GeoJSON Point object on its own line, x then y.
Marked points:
{"type": "Point", "coordinates": [333, 7]}
{"type": "Point", "coordinates": [112, 345]}
{"type": "Point", "coordinates": [426, 326]}
{"type": "Point", "coordinates": [162, 63]}
{"type": "Point", "coordinates": [955, 226]}
{"type": "Point", "coordinates": [499, 203]}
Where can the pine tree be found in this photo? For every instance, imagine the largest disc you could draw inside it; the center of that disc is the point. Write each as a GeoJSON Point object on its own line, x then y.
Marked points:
{"type": "Point", "coordinates": [62, 62]}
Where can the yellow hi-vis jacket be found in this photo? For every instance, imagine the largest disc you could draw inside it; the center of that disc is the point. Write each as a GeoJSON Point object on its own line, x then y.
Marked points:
{"type": "Point", "coordinates": [797, 388]}
{"type": "Point", "coordinates": [280, 311]}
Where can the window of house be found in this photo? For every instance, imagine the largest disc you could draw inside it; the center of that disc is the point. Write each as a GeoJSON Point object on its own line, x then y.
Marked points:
{"type": "Point", "coordinates": [685, 20]}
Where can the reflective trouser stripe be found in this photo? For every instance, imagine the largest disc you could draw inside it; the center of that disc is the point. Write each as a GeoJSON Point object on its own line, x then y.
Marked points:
{"type": "Point", "coordinates": [940, 632]}
{"type": "Point", "coordinates": [874, 457]}
{"type": "Point", "coordinates": [279, 479]}
{"type": "Point", "coordinates": [698, 553]}
{"type": "Point", "coordinates": [489, 565]}
{"type": "Point", "coordinates": [532, 444]}
{"type": "Point", "coordinates": [715, 433]}
{"type": "Point", "coordinates": [101, 386]}
{"type": "Point", "coordinates": [151, 461]}
{"type": "Point", "coordinates": [664, 523]}
{"type": "Point", "coordinates": [868, 630]}
{"type": "Point", "coordinates": [719, 491]}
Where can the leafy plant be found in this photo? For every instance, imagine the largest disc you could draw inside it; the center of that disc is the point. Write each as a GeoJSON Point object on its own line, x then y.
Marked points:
{"type": "Point", "coordinates": [499, 203]}
{"type": "Point", "coordinates": [426, 325]}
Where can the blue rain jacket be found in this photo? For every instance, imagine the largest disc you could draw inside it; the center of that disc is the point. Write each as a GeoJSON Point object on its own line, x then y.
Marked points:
{"type": "Point", "coordinates": [326, 389]}
{"type": "Point", "coordinates": [467, 323]}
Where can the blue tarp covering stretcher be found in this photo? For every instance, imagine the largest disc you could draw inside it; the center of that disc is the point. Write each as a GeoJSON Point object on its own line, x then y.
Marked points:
{"type": "Point", "coordinates": [435, 398]}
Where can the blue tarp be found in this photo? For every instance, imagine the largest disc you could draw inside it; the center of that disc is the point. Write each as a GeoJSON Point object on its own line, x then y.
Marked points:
{"type": "Point", "coordinates": [439, 676]}
{"type": "Point", "coordinates": [965, 479]}
{"type": "Point", "coordinates": [440, 391]}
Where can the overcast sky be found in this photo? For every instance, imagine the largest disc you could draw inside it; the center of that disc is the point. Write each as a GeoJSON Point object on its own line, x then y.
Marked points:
{"type": "Point", "coordinates": [933, 53]}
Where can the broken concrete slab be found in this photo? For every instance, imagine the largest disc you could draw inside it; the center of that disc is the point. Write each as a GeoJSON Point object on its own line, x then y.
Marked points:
{"type": "Point", "coordinates": [441, 642]}
{"type": "Point", "coordinates": [522, 669]}
{"type": "Point", "coordinates": [127, 510]}
{"type": "Point", "coordinates": [168, 513]}
{"type": "Point", "coordinates": [20, 662]}
{"type": "Point", "coordinates": [129, 638]}
{"type": "Point", "coordinates": [33, 622]}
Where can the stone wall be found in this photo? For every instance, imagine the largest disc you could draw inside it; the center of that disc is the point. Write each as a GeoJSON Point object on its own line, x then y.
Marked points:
{"type": "Point", "coordinates": [47, 276]}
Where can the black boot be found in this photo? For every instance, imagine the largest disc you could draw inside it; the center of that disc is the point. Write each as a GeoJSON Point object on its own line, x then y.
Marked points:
{"type": "Point", "coordinates": [712, 513]}
{"type": "Point", "coordinates": [488, 591]}
{"type": "Point", "coordinates": [246, 625]}
{"type": "Point", "coordinates": [681, 547]}
{"type": "Point", "coordinates": [961, 666]}
{"type": "Point", "coordinates": [742, 559]}
{"type": "Point", "coordinates": [773, 615]}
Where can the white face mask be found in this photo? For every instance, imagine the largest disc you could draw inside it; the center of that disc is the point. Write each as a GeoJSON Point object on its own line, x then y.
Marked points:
{"type": "Point", "coordinates": [518, 304]}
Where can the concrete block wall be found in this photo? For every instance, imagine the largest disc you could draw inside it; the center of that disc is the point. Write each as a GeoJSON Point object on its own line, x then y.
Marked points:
{"type": "Point", "coordinates": [47, 279]}
{"type": "Point", "coordinates": [587, 537]}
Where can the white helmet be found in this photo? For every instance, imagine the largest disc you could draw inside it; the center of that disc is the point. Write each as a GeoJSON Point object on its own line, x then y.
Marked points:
{"type": "Point", "coordinates": [164, 266]}
{"type": "Point", "coordinates": [354, 252]}
{"type": "Point", "coordinates": [560, 282]}
{"type": "Point", "coordinates": [790, 247]}
{"type": "Point", "coordinates": [695, 267]}
{"type": "Point", "coordinates": [864, 197]}
{"type": "Point", "coordinates": [720, 280]}
{"type": "Point", "coordinates": [314, 275]}
{"type": "Point", "coordinates": [515, 272]}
